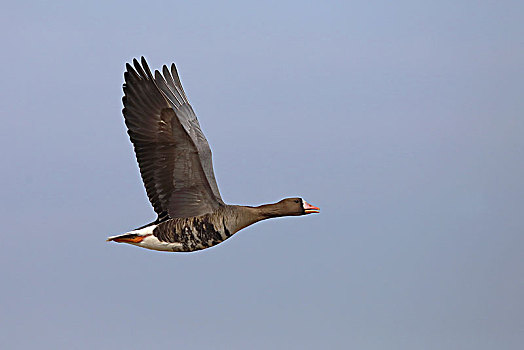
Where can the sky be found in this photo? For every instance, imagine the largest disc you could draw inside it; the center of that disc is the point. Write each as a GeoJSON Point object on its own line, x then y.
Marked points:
{"type": "Point", "coordinates": [403, 121]}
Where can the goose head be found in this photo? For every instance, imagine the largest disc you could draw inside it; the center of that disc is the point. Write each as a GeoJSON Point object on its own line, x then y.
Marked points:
{"type": "Point", "coordinates": [296, 206]}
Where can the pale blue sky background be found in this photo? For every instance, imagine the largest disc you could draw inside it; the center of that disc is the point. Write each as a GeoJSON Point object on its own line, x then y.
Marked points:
{"type": "Point", "coordinates": [402, 120]}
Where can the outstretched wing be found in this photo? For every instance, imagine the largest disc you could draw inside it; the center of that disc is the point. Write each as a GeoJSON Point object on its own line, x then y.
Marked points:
{"type": "Point", "coordinates": [172, 152]}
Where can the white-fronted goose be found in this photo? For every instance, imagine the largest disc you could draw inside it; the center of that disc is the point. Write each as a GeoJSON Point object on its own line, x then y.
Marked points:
{"type": "Point", "coordinates": [176, 167]}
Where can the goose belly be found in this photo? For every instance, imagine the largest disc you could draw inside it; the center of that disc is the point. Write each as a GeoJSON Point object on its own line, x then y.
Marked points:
{"type": "Point", "coordinates": [187, 235]}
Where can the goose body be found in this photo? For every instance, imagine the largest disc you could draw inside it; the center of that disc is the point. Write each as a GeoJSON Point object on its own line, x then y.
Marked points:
{"type": "Point", "coordinates": [176, 167]}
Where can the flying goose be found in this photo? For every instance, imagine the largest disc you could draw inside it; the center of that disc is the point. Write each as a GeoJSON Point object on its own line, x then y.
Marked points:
{"type": "Point", "coordinates": [176, 167]}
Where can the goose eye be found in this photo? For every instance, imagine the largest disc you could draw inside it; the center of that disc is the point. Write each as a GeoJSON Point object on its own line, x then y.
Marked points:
{"type": "Point", "coordinates": [297, 201]}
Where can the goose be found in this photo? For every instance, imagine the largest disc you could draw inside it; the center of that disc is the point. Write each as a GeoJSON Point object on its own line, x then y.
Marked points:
{"type": "Point", "coordinates": [175, 163]}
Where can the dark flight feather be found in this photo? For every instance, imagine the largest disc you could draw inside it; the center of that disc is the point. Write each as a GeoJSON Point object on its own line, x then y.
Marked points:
{"type": "Point", "coordinates": [172, 152]}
